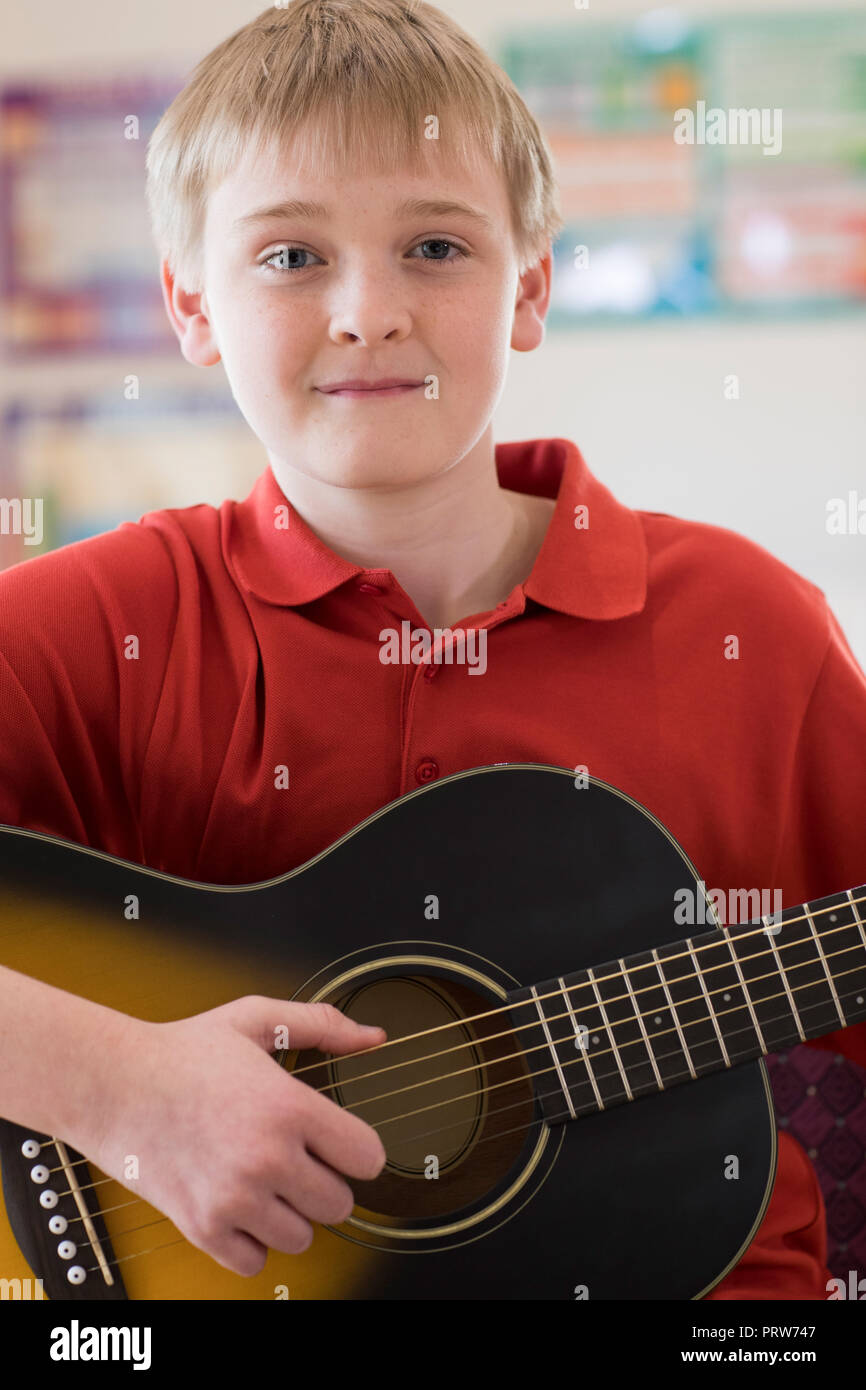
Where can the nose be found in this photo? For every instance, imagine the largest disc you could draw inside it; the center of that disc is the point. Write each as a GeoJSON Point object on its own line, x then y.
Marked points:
{"type": "Point", "coordinates": [370, 307]}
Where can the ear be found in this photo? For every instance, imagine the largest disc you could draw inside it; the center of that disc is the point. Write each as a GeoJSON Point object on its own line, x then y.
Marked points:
{"type": "Point", "coordinates": [531, 305]}
{"type": "Point", "coordinates": [190, 318]}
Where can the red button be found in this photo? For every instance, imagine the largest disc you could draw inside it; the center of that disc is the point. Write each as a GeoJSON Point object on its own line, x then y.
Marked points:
{"type": "Point", "coordinates": [371, 588]}
{"type": "Point", "coordinates": [427, 769]}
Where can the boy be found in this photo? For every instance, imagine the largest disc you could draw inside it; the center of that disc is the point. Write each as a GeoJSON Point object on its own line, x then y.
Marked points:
{"type": "Point", "coordinates": [355, 212]}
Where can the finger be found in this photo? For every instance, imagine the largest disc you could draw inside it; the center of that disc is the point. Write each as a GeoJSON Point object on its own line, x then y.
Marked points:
{"type": "Point", "coordinates": [316, 1192]}
{"type": "Point", "coordinates": [281, 1227]}
{"type": "Point", "coordinates": [237, 1251]}
{"type": "Point", "coordinates": [342, 1140]}
{"type": "Point", "coordinates": [319, 1025]}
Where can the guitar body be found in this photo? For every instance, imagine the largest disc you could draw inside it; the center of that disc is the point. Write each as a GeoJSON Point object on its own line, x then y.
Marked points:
{"type": "Point", "coordinates": [430, 913]}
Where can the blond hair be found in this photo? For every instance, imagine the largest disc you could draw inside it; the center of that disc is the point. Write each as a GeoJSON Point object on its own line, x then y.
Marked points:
{"type": "Point", "coordinates": [349, 84]}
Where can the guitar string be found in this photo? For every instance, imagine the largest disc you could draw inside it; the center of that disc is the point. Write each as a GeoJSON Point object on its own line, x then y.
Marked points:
{"type": "Point", "coordinates": [572, 1012]}
{"type": "Point", "coordinates": [526, 1127]}
{"type": "Point", "coordinates": [678, 1004]}
{"type": "Point", "coordinates": [597, 1056]}
{"type": "Point", "coordinates": [393, 1119]}
{"type": "Point", "coordinates": [616, 975]}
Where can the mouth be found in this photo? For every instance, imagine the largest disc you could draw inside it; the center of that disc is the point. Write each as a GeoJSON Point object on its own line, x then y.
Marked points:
{"type": "Point", "coordinates": [360, 390]}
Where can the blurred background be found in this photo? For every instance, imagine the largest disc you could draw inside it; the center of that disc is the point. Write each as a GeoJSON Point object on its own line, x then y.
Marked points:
{"type": "Point", "coordinates": [706, 345]}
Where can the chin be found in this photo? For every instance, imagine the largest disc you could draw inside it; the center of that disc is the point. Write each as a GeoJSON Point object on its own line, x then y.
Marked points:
{"type": "Point", "coordinates": [366, 472]}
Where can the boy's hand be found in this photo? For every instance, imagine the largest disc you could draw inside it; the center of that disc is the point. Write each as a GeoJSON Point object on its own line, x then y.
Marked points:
{"type": "Point", "coordinates": [239, 1154]}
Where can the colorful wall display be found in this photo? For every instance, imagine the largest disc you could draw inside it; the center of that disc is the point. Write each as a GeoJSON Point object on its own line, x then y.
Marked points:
{"type": "Point", "coordinates": [752, 203]}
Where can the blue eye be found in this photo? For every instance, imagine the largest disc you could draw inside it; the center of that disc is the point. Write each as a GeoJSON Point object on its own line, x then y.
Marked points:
{"type": "Point", "coordinates": [442, 241]}
{"type": "Point", "coordinates": [286, 253]}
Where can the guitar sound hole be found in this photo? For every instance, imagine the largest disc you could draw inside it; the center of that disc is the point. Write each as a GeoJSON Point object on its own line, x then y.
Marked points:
{"type": "Point", "coordinates": [453, 1104]}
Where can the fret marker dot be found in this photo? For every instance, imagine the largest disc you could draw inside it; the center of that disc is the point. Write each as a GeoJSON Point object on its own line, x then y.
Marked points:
{"type": "Point", "coordinates": [727, 998]}
{"type": "Point", "coordinates": [859, 998]}
{"type": "Point", "coordinates": [832, 917]}
{"type": "Point", "coordinates": [657, 1019]}
{"type": "Point", "coordinates": [595, 1039]}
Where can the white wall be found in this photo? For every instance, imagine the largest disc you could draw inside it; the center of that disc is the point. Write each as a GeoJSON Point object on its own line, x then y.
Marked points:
{"type": "Point", "coordinates": [644, 402]}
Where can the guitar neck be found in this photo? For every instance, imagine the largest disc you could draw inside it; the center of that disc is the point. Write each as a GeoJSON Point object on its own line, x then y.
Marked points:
{"type": "Point", "coordinates": [638, 1025]}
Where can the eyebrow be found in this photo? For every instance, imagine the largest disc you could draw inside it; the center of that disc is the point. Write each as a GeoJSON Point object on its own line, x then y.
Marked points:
{"type": "Point", "coordinates": [410, 207]}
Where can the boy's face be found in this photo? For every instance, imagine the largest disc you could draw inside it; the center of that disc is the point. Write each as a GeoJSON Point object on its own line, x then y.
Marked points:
{"type": "Point", "coordinates": [363, 289]}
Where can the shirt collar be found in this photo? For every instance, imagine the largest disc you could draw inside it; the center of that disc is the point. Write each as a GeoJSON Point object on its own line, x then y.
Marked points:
{"type": "Point", "coordinates": [595, 570]}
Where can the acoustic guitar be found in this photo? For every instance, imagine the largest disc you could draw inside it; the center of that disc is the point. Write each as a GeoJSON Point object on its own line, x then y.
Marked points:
{"type": "Point", "coordinates": [518, 932]}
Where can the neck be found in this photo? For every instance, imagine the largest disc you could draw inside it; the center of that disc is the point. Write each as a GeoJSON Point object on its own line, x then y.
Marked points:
{"type": "Point", "coordinates": [633, 1027]}
{"type": "Point", "coordinates": [456, 542]}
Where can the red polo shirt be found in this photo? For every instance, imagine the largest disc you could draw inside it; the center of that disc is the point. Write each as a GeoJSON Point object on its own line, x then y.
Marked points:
{"type": "Point", "coordinates": [259, 647]}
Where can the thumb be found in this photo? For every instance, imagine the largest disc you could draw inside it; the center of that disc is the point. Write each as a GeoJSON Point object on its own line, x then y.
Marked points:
{"type": "Point", "coordinates": [277, 1023]}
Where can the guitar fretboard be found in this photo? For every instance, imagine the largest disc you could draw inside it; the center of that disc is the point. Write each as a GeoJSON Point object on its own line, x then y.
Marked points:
{"type": "Point", "coordinates": [638, 1025]}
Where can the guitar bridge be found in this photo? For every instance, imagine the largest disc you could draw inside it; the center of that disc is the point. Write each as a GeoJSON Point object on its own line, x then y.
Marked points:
{"type": "Point", "coordinates": [55, 1218]}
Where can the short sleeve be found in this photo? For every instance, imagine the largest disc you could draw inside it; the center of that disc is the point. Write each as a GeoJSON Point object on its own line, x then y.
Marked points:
{"type": "Point", "coordinates": [74, 713]}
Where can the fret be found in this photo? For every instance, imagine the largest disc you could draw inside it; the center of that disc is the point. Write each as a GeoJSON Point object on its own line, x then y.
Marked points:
{"type": "Point", "coordinates": [724, 994]}
{"type": "Point", "coordinates": [621, 1001]}
{"type": "Point", "coordinates": [824, 966]}
{"type": "Point", "coordinates": [838, 921]}
{"type": "Point", "coordinates": [750, 1003]}
{"type": "Point", "coordinates": [552, 1047]}
{"type": "Point", "coordinates": [569, 1007]}
{"type": "Point", "coordinates": [578, 1033]}
{"type": "Point", "coordinates": [855, 909]}
{"type": "Point", "coordinates": [586, 1045]}
{"type": "Point", "coordinates": [780, 968]}
{"type": "Point", "coordinates": [530, 1038]}
{"type": "Point", "coordinates": [758, 961]}
{"type": "Point", "coordinates": [610, 1031]}
{"type": "Point", "coordinates": [640, 1029]}
{"type": "Point", "coordinates": [675, 1016]}
{"type": "Point", "coordinates": [562, 1071]}
{"type": "Point", "coordinates": [798, 949]}
{"type": "Point", "coordinates": [699, 976]}
{"type": "Point", "coordinates": [660, 1054]}
{"type": "Point", "coordinates": [687, 989]}
{"type": "Point", "coordinates": [852, 983]}
{"type": "Point", "coordinates": [573, 1043]}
